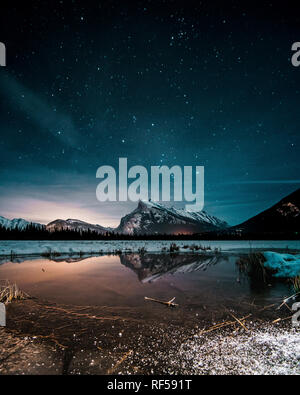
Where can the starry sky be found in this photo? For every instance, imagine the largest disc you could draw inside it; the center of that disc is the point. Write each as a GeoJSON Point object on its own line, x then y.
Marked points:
{"type": "Point", "coordinates": [159, 82]}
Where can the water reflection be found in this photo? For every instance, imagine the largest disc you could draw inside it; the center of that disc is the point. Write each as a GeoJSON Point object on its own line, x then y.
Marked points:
{"type": "Point", "coordinates": [151, 267]}
{"type": "Point", "coordinates": [195, 279]}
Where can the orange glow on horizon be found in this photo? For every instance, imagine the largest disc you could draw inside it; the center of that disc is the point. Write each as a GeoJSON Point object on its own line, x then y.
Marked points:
{"type": "Point", "coordinates": [43, 211]}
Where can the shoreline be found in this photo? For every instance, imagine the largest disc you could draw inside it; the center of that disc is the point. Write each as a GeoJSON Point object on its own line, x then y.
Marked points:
{"type": "Point", "coordinates": [13, 248]}
{"type": "Point", "coordinates": [46, 338]}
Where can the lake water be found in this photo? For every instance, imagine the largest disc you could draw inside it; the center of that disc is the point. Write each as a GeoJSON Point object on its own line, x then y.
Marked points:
{"type": "Point", "coordinates": [199, 282]}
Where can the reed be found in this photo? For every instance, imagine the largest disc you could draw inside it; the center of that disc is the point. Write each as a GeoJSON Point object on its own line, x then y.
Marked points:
{"type": "Point", "coordinates": [253, 265]}
{"type": "Point", "coordinates": [174, 248]}
{"type": "Point", "coordinates": [50, 254]}
{"type": "Point", "coordinates": [10, 292]}
{"type": "Point", "coordinates": [296, 283]}
{"type": "Point", "coordinates": [142, 250]}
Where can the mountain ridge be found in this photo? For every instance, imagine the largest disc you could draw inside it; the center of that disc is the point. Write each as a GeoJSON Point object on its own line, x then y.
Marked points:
{"type": "Point", "coordinates": [154, 218]}
{"type": "Point", "coordinates": [146, 218]}
{"type": "Point", "coordinates": [17, 223]}
{"type": "Point", "coordinates": [75, 224]}
{"type": "Point", "coordinates": [283, 216]}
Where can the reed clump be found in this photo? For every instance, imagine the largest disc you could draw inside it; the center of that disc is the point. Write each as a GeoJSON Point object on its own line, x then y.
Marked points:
{"type": "Point", "coordinates": [10, 292]}
{"type": "Point", "coordinates": [174, 248]}
{"type": "Point", "coordinates": [253, 265]}
{"type": "Point", "coordinates": [142, 250]}
{"type": "Point", "coordinates": [50, 254]}
{"type": "Point", "coordinates": [296, 283]}
{"type": "Point", "coordinates": [195, 247]}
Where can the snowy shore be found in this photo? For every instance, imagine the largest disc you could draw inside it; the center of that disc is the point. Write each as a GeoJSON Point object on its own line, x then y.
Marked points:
{"type": "Point", "coordinates": [32, 248]}
{"type": "Point", "coordinates": [261, 351]}
{"type": "Point", "coordinates": [267, 350]}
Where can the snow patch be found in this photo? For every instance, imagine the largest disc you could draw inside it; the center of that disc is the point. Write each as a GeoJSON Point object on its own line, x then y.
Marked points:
{"type": "Point", "coordinates": [269, 351]}
{"type": "Point", "coordinates": [285, 265]}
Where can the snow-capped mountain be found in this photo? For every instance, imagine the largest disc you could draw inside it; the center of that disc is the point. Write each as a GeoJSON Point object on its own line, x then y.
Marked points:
{"type": "Point", "coordinates": [149, 217]}
{"type": "Point", "coordinates": [75, 224]}
{"type": "Point", "coordinates": [282, 217]}
{"type": "Point", "coordinates": [17, 223]}
{"type": "Point", "coordinates": [152, 217]}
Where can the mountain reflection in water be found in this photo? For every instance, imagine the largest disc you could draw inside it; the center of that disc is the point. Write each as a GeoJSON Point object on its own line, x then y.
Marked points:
{"type": "Point", "coordinates": [150, 267]}
{"type": "Point", "coordinates": [196, 279]}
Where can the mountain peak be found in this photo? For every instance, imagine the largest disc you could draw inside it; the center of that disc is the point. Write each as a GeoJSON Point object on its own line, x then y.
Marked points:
{"type": "Point", "coordinates": [153, 217]}
{"type": "Point", "coordinates": [143, 204]}
{"type": "Point", "coordinates": [149, 204]}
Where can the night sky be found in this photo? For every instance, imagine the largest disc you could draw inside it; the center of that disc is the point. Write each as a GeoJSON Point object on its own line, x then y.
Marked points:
{"type": "Point", "coordinates": [158, 82]}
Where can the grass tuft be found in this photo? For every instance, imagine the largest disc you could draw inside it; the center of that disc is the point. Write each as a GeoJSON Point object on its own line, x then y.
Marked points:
{"type": "Point", "coordinates": [174, 248]}
{"type": "Point", "coordinates": [253, 265]}
{"type": "Point", "coordinates": [10, 292]}
{"type": "Point", "coordinates": [50, 254]}
{"type": "Point", "coordinates": [296, 283]}
{"type": "Point", "coordinates": [142, 250]}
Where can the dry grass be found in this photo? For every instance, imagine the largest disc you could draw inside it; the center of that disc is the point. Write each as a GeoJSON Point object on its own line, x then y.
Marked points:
{"type": "Point", "coordinates": [10, 292]}
{"type": "Point", "coordinates": [254, 259]}
{"type": "Point", "coordinates": [253, 265]}
{"type": "Point", "coordinates": [296, 283]}
{"type": "Point", "coordinates": [174, 248]}
{"type": "Point", "coordinates": [142, 250]}
{"type": "Point", "coordinates": [50, 254]}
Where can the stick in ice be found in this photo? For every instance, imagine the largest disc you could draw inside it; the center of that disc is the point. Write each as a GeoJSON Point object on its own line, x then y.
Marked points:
{"type": "Point", "coordinates": [169, 303]}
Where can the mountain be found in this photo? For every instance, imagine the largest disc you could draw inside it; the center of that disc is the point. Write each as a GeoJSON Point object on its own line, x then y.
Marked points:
{"type": "Point", "coordinates": [154, 218]}
{"type": "Point", "coordinates": [75, 224]}
{"type": "Point", "coordinates": [283, 217]}
{"type": "Point", "coordinates": [151, 217]}
{"type": "Point", "coordinates": [17, 223]}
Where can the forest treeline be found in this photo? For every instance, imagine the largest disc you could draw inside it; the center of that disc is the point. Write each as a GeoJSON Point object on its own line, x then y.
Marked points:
{"type": "Point", "coordinates": [32, 232]}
